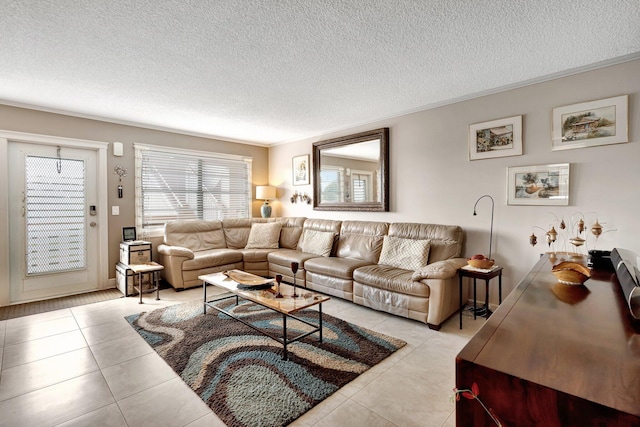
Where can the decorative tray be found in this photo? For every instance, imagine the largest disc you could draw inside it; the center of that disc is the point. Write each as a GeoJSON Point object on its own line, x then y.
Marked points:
{"type": "Point", "coordinates": [246, 279]}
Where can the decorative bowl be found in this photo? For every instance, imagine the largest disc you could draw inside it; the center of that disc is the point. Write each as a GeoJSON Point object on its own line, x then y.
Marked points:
{"type": "Point", "coordinates": [484, 264]}
{"type": "Point", "coordinates": [571, 273]}
{"type": "Point", "coordinates": [570, 294]}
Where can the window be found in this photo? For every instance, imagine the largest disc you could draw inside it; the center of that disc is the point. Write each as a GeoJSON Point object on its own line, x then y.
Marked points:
{"type": "Point", "coordinates": [361, 184]}
{"type": "Point", "coordinates": [332, 184]}
{"type": "Point", "coordinates": [174, 184]}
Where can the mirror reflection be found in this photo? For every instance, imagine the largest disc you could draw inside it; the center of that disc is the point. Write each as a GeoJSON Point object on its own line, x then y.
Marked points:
{"type": "Point", "coordinates": [350, 173]}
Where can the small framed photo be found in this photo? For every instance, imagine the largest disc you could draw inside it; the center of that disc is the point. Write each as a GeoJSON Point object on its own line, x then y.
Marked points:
{"type": "Point", "coordinates": [497, 138]}
{"type": "Point", "coordinates": [128, 234]}
{"type": "Point", "coordinates": [538, 185]}
{"type": "Point", "coordinates": [592, 123]}
{"type": "Point", "coordinates": [301, 170]}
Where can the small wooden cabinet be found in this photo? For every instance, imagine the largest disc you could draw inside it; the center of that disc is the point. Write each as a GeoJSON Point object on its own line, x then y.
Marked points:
{"type": "Point", "coordinates": [554, 355]}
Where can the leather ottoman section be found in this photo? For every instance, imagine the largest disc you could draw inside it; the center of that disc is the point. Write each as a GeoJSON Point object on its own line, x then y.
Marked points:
{"type": "Point", "coordinates": [280, 263]}
{"type": "Point", "coordinates": [412, 307]}
{"type": "Point", "coordinates": [391, 279]}
{"type": "Point", "coordinates": [255, 255]}
{"type": "Point", "coordinates": [287, 275]}
{"type": "Point", "coordinates": [334, 286]}
{"type": "Point", "coordinates": [285, 257]}
{"type": "Point", "coordinates": [190, 277]}
{"type": "Point", "coordinates": [341, 268]}
{"type": "Point", "coordinates": [260, 268]}
{"type": "Point", "coordinates": [212, 257]}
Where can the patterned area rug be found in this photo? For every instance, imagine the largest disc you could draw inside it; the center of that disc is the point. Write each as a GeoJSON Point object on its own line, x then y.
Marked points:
{"type": "Point", "coordinates": [240, 373]}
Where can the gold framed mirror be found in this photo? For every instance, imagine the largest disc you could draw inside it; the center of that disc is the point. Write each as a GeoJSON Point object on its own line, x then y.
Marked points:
{"type": "Point", "coordinates": [351, 173]}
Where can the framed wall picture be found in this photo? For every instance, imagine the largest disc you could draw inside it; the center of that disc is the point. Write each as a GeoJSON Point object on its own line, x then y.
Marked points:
{"type": "Point", "coordinates": [592, 123]}
{"type": "Point", "coordinates": [301, 170]}
{"type": "Point", "coordinates": [538, 185]}
{"type": "Point", "coordinates": [497, 138]}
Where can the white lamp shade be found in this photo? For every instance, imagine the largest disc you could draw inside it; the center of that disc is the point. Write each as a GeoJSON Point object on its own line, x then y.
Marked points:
{"type": "Point", "coordinates": [265, 192]}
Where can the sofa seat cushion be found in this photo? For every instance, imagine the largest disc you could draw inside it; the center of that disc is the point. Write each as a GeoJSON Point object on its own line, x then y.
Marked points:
{"type": "Point", "coordinates": [341, 268]}
{"type": "Point", "coordinates": [391, 279]}
{"type": "Point", "coordinates": [212, 258]}
{"type": "Point", "coordinates": [287, 256]}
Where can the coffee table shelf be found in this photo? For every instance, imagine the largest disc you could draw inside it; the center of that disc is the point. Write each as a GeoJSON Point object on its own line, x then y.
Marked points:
{"type": "Point", "coordinates": [266, 297]}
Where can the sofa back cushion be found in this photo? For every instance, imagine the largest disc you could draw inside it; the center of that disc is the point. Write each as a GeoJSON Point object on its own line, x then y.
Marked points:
{"type": "Point", "coordinates": [236, 231]}
{"type": "Point", "coordinates": [198, 235]}
{"type": "Point", "coordinates": [408, 254]}
{"type": "Point", "coordinates": [361, 240]}
{"type": "Point", "coordinates": [445, 241]}
{"type": "Point", "coordinates": [291, 231]}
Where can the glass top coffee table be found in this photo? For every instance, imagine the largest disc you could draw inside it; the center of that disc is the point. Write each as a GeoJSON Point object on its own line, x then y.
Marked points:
{"type": "Point", "coordinates": [264, 294]}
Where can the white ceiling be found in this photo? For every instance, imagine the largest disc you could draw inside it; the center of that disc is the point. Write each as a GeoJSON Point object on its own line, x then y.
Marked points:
{"type": "Point", "coordinates": [272, 71]}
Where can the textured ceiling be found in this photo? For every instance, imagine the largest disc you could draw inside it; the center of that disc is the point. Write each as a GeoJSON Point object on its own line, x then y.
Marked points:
{"type": "Point", "coordinates": [270, 71]}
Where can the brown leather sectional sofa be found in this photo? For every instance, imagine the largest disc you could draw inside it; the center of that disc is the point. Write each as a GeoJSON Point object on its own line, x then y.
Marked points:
{"type": "Point", "coordinates": [407, 269]}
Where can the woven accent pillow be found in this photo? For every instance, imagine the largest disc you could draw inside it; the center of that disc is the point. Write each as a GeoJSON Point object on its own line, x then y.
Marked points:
{"type": "Point", "coordinates": [408, 254]}
{"type": "Point", "coordinates": [264, 235]}
{"type": "Point", "coordinates": [317, 242]}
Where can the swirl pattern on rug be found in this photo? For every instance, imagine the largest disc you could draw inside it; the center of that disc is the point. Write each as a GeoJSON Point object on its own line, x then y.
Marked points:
{"type": "Point", "coordinates": [240, 373]}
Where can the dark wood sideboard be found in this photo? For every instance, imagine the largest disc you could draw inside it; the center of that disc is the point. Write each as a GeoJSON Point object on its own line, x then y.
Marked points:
{"type": "Point", "coordinates": [554, 355]}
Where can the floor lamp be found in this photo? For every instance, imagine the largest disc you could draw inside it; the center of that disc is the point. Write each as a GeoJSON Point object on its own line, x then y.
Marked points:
{"type": "Point", "coordinates": [491, 230]}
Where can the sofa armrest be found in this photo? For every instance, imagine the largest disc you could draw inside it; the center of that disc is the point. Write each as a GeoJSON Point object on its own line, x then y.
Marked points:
{"type": "Point", "coordinates": [175, 251]}
{"type": "Point", "coordinates": [439, 270]}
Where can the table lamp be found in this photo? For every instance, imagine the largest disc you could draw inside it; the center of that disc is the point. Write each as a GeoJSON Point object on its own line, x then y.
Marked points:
{"type": "Point", "coordinates": [265, 192]}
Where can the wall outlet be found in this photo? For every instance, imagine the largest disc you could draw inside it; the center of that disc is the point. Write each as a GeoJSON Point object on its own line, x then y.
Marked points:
{"type": "Point", "coordinates": [115, 210]}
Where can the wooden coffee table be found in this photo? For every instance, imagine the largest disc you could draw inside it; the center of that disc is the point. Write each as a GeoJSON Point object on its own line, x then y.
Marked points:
{"type": "Point", "coordinates": [265, 295]}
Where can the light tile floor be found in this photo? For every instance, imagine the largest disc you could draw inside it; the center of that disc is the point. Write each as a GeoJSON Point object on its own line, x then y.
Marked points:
{"type": "Point", "coordinates": [85, 366]}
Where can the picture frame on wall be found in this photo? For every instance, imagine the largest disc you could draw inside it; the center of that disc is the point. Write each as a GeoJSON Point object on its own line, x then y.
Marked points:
{"type": "Point", "coordinates": [590, 124]}
{"type": "Point", "coordinates": [496, 138]}
{"type": "Point", "coordinates": [538, 185]}
{"type": "Point", "coordinates": [300, 170]}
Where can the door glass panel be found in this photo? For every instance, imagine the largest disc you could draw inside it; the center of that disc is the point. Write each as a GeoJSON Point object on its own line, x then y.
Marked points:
{"type": "Point", "coordinates": [55, 215]}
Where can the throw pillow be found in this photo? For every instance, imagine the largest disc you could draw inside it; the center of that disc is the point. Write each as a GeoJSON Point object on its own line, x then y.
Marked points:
{"type": "Point", "coordinates": [408, 254]}
{"type": "Point", "coordinates": [317, 242]}
{"type": "Point", "coordinates": [264, 235]}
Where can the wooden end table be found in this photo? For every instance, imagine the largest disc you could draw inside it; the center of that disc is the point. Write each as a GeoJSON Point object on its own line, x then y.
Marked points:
{"type": "Point", "coordinates": [151, 268]}
{"type": "Point", "coordinates": [482, 275]}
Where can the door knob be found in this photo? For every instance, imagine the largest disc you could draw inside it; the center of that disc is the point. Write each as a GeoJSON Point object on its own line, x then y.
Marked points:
{"type": "Point", "coordinates": [93, 224]}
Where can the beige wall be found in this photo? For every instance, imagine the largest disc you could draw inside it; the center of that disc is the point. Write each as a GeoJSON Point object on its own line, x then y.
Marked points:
{"type": "Point", "coordinates": [38, 122]}
{"type": "Point", "coordinates": [432, 180]}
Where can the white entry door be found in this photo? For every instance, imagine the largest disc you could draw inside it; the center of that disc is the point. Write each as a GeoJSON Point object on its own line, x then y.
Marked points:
{"type": "Point", "coordinates": [54, 242]}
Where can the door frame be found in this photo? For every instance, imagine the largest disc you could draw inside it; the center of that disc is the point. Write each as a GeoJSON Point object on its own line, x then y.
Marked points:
{"type": "Point", "coordinates": [101, 149]}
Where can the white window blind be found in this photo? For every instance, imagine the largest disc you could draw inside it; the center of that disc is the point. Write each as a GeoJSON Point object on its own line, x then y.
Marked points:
{"type": "Point", "coordinates": [176, 184]}
{"type": "Point", "coordinates": [332, 184]}
{"type": "Point", "coordinates": [55, 215]}
{"type": "Point", "coordinates": [359, 189]}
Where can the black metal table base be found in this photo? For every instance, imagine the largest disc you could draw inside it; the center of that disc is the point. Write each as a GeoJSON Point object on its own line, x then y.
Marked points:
{"type": "Point", "coordinates": [285, 341]}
